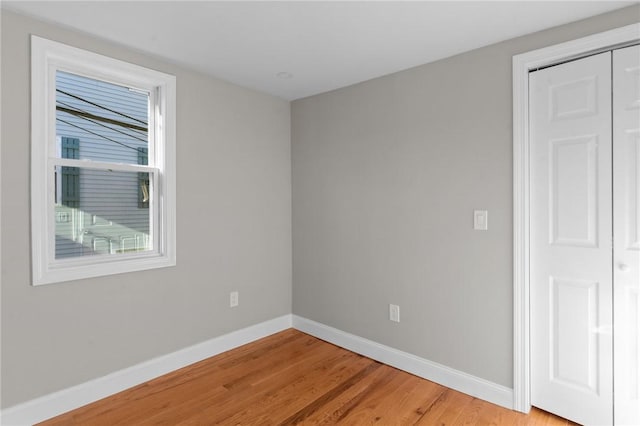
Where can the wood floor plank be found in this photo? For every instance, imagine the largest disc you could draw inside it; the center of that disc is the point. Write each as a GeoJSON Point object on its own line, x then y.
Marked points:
{"type": "Point", "coordinates": [313, 406]}
{"type": "Point", "coordinates": [435, 407]}
{"type": "Point", "coordinates": [292, 378]}
{"type": "Point", "coordinates": [453, 407]}
{"type": "Point", "coordinates": [335, 410]}
{"type": "Point", "coordinates": [307, 392]}
{"type": "Point", "coordinates": [493, 415]}
{"type": "Point", "coordinates": [368, 412]}
{"type": "Point", "coordinates": [411, 398]}
{"type": "Point", "coordinates": [419, 402]}
{"type": "Point", "coordinates": [470, 413]}
{"type": "Point", "coordinates": [383, 380]}
{"type": "Point", "coordinates": [296, 385]}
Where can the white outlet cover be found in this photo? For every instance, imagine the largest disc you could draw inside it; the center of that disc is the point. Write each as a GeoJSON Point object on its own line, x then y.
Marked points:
{"type": "Point", "coordinates": [233, 299]}
{"type": "Point", "coordinates": [480, 220]}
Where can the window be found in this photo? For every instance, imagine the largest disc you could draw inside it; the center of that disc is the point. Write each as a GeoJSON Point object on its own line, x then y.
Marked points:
{"type": "Point", "coordinates": [103, 165]}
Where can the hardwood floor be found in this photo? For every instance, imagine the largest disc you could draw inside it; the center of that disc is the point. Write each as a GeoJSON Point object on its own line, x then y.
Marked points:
{"type": "Point", "coordinates": [293, 378]}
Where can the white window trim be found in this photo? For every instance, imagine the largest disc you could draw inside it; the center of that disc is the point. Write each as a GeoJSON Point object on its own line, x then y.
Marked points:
{"type": "Point", "coordinates": [58, 182]}
{"type": "Point", "coordinates": [46, 58]}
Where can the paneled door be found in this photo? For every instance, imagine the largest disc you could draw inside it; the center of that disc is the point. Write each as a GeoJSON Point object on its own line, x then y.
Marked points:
{"type": "Point", "coordinates": [626, 236]}
{"type": "Point", "coordinates": [585, 238]}
{"type": "Point", "coordinates": [571, 265]}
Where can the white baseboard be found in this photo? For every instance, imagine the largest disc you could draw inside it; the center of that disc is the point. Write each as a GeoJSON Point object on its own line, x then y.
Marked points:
{"type": "Point", "coordinates": [454, 379]}
{"type": "Point", "coordinates": [56, 403]}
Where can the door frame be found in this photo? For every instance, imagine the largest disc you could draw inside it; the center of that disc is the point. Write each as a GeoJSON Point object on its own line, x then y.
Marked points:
{"type": "Point", "coordinates": [522, 65]}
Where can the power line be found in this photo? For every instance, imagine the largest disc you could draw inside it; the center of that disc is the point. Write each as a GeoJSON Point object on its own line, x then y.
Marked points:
{"type": "Point", "coordinates": [97, 134]}
{"type": "Point", "coordinates": [102, 107]}
{"type": "Point", "coordinates": [85, 116]}
{"type": "Point", "coordinates": [100, 118]}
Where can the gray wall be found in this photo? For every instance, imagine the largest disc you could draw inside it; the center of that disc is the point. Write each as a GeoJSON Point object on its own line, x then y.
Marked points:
{"type": "Point", "coordinates": [233, 231]}
{"type": "Point", "coordinates": [386, 175]}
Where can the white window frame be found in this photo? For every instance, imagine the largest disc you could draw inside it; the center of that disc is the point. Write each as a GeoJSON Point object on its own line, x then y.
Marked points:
{"type": "Point", "coordinates": [47, 57]}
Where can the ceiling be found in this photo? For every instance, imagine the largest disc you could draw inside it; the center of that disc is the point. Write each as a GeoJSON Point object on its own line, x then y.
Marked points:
{"type": "Point", "coordinates": [300, 48]}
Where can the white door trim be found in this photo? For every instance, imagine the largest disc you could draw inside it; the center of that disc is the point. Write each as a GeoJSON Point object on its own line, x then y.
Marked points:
{"type": "Point", "coordinates": [522, 64]}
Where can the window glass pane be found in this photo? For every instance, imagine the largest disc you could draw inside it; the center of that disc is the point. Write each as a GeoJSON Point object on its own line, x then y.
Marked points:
{"type": "Point", "coordinates": [101, 212]}
{"type": "Point", "coordinates": [109, 122]}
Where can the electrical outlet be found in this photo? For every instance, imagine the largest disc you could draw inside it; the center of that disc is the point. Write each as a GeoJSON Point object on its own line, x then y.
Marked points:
{"type": "Point", "coordinates": [394, 313]}
{"type": "Point", "coordinates": [233, 299]}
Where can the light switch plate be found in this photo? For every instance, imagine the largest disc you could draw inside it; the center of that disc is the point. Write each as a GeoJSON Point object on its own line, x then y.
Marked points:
{"type": "Point", "coordinates": [480, 220]}
{"type": "Point", "coordinates": [394, 313]}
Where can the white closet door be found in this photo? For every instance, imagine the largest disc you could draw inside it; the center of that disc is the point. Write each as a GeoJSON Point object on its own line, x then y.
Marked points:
{"type": "Point", "coordinates": [570, 240]}
{"type": "Point", "coordinates": [626, 249]}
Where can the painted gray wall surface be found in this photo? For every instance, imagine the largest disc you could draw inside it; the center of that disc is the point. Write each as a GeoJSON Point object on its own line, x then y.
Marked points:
{"type": "Point", "coordinates": [386, 175]}
{"type": "Point", "coordinates": [233, 233]}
